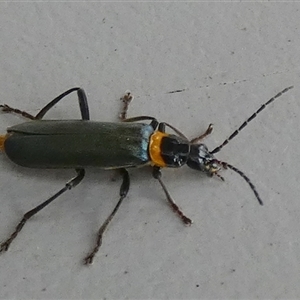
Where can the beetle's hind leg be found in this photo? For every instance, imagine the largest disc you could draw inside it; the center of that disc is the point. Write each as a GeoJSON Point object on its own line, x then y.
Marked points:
{"type": "Point", "coordinates": [123, 193]}
{"type": "Point", "coordinates": [83, 105]}
{"type": "Point", "coordinates": [9, 109]}
{"type": "Point", "coordinates": [82, 99]}
{"type": "Point", "coordinates": [69, 185]}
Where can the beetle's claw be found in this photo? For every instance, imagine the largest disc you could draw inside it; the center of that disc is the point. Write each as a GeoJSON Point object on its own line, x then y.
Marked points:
{"type": "Point", "coordinates": [4, 246]}
{"type": "Point", "coordinates": [89, 259]}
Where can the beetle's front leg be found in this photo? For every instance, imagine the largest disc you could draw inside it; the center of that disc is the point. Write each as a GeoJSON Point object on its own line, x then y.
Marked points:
{"type": "Point", "coordinates": [157, 175]}
{"type": "Point", "coordinates": [198, 139]}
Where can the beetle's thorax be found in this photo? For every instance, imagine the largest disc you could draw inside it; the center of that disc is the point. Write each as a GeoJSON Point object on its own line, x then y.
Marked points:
{"type": "Point", "coordinates": [167, 150]}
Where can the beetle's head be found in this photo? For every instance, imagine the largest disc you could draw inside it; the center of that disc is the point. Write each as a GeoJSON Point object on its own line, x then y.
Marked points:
{"type": "Point", "coordinates": [202, 160]}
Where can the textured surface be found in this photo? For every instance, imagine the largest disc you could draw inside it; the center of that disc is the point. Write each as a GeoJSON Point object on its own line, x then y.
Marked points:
{"type": "Point", "coordinates": [187, 64]}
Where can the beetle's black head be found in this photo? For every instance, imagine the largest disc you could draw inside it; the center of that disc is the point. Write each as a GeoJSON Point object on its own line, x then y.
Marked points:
{"type": "Point", "coordinates": [174, 150]}
{"type": "Point", "coordinates": [202, 160]}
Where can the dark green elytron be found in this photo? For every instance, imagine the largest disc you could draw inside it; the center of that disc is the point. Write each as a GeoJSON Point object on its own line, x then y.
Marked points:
{"type": "Point", "coordinates": [78, 144]}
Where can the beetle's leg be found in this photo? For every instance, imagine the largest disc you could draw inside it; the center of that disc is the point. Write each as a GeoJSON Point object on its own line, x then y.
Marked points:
{"type": "Point", "coordinates": [9, 109]}
{"type": "Point", "coordinates": [126, 99]}
{"type": "Point", "coordinates": [154, 123]}
{"type": "Point", "coordinates": [198, 139]}
{"type": "Point", "coordinates": [69, 185]}
{"type": "Point", "coordinates": [84, 108]}
{"type": "Point", "coordinates": [162, 128]}
{"type": "Point", "coordinates": [123, 193]}
{"type": "Point", "coordinates": [157, 175]}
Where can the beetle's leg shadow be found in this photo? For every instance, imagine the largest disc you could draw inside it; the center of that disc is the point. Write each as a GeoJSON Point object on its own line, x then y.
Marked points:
{"type": "Point", "coordinates": [69, 185]}
{"type": "Point", "coordinates": [123, 193]}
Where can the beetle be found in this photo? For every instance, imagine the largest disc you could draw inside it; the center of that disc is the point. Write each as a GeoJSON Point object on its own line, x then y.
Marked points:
{"type": "Point", "coordinates": [77, 144]}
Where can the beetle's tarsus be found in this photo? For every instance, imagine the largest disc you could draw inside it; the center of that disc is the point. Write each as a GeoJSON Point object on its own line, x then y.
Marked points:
{"type": "Point", "coordinates": [4, 246]}
{"type": "Point", "coordinates": [187, 221]}
{"type": "Point", "coordinates": [8, 109]}
{"type": "Point", "coordinates": [198, 139]}
{"type": "Point", "coordinates": [89, 260]}
{"type": "Point", "coordinates": [126, 99]}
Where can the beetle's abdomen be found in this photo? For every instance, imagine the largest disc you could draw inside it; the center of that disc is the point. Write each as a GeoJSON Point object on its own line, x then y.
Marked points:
{"type": "Point", "coordinates": [76, 144]}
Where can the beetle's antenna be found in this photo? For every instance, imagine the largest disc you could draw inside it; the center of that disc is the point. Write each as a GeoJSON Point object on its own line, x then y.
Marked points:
{"type": "Point", "coordinates": [226, 165]}
{"type": "Point", "coordinates": [217, 149]}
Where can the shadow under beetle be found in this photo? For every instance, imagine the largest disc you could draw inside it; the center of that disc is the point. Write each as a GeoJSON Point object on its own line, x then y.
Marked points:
{"type": "Point", "coordinates": [83, 143]}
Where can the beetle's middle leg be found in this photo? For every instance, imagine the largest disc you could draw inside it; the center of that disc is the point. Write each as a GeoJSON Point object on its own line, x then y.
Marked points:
{"type": "Point", "coordinates": [123, 193]}
{"type": "Point", "coordinates": [126, 99]}
{"type": "Point", "coordinates": [69, 185]}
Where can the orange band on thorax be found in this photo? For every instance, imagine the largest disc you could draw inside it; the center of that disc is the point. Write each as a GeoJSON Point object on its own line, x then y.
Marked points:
{"type": "Point", "coordinates": [2, 140]}
{"type": "Point", "coordinates": [154, 149]}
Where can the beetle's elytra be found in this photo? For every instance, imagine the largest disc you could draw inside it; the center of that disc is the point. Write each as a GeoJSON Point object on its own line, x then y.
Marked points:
{"type": "Point", "coordinates": [78, 144]}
